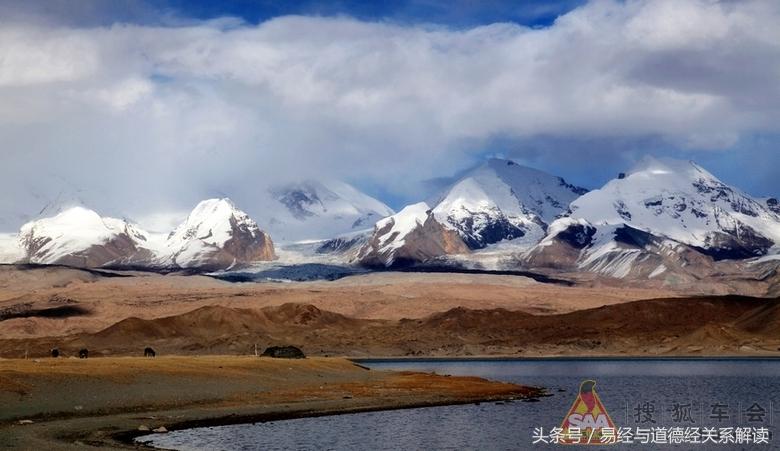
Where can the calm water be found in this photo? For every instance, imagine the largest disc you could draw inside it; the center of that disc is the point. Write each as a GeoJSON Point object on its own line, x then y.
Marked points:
{"type": "Point", "coordinates": [713, 394]}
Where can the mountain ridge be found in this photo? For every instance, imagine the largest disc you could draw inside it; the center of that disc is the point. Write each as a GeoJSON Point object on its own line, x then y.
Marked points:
{"type": "Point", "coordinates": [502, 200]}
{"type": "Point", "coordinates": [663, 220]}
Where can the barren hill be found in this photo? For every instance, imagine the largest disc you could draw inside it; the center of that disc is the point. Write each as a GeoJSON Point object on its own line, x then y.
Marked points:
{"type": "Point", "coordinates": [690, 326]}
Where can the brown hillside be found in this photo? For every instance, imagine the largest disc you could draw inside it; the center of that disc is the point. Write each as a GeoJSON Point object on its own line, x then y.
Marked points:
{"type": "Point", "coordinates": [719, 325]}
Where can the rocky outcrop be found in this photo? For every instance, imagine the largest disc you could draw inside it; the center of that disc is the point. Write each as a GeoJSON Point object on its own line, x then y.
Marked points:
{"type": "Point", "coordinates": [773, 205]}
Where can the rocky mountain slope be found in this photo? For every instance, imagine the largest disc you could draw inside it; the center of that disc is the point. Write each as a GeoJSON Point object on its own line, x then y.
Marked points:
{"type": "Point", "coordinates": [668, 220]}
{"type": "Point", "coordinates": [410, 236]}
{"type": "Point", "coordinates": [502, 200]}
{"type": "Point", "coordinates": [681, 201]}
{"type": "Point", "coordinates": [217, 235]}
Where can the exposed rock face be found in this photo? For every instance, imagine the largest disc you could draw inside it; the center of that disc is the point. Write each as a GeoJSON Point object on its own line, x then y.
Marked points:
{"type": "Point", "coordinates": [502, 200]}
{"type": "Point", "coordinates": [630, 254]}
{"type": "Point", "coordinates": [217, 235]}
{"type": "Point", "coordinates": [411, 236]}
{"type": "Point", "coordinates": [773, 205]}
{"type": "Point", "coordinates": [668, 221]}
{"type": "Point", "coordinates": [562, 247]}
{"type": "Point", "coordinates": [80, 237]}
{"type": "Point", "coordinates": [681, 201]}
{"type": "Point", "coordinates": [342, 245]}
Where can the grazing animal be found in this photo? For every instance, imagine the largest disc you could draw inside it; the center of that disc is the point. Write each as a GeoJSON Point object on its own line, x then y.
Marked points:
{"type": "Point", "coordinates": [84, 353]}
{"type": "Point", "coordinates": [149, 352]}
{"type": "Point", "coordinates": [55, 353]}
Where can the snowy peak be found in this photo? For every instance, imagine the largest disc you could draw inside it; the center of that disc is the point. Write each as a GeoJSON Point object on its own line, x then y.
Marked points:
{"type": "Point", "coordinates": [209, 222]}
{"type": "Point", "coordinates": [315, 209]}
{"type": "Point", "coordinates": [410, 236]}
{"type": "Point", "coordinates": [315, 198]}
{"type": "Point", "coordinates": [502, 200]}
{"type": "Point", "coordinates": [665, 220]}
{"type": "Point", "coordinates": [80, 237]}
{"type": "Point", "coordinates": [546, 195]}
{"type": "Point", "coordinates": [218, 235]}
{"type": "Point", "coordinates": [682, 201]}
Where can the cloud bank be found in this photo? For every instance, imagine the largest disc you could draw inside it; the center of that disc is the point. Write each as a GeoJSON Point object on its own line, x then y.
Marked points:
{"type": "Point", "coordinates": [165, 115]}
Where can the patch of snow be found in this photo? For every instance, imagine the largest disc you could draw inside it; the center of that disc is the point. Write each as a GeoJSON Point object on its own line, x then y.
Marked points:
{"type": "Point", "coordinates": [766, 258]}
{"type": "Point", "coordinates": [558, 226]}
{"type": "Point", "coordinates": [606, 257]}
{"type": "Point", "coordinates": [657, 271]}
{"type": "Point", "coordinates": [10, 249]}
{"type": "Point", "coordinates": [401, 224]}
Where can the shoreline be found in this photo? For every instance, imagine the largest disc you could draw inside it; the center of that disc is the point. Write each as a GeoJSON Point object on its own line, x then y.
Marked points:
{"type": "Point", "coordinates": [108, 402]}
{"type": "Point", "coordinates": [563, 358]}
{"type": "Point", "coordinates": [129, 437]}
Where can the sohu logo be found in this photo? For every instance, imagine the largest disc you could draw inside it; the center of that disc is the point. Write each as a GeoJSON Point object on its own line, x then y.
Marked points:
{"type": "Point", "coordinates": [586, 419]}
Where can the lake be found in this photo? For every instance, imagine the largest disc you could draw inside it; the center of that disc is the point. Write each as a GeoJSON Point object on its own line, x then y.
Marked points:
{"type": "Point", "coordinates": [725, 400]}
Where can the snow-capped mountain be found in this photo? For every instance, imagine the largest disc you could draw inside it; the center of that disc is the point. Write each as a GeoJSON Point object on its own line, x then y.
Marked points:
{"type": "Point", "coordinates": [681, 201]}
{"type": "Point", "coordinates": [410, 236]}
{"type": "Point", "coordinates": [619, 251]}
{"type": "Point", "coordinates": [317, 210]}
{"type": "Point", "coordinates": [216, 235]}
{"type": "Point", "coordinates": [665, 220]}
{"type": "Point", "coordinates": [502, 200]}
{"type": "Point", "coordinates": [80, 237]}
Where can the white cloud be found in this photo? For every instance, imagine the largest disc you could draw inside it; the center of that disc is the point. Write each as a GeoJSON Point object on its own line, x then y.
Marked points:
{"type": "Point", "coordinates": [125, 93]}
{"type": "Point", "coordinates": [226, 106]}
{"type": "Point", "coordinates": [36, 56]}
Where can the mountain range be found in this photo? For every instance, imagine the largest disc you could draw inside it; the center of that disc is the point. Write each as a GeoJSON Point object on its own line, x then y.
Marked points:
{"type": "Point", "coordinates": [216, 235]}
{"type": "Point", "coordinates": [662, 220]}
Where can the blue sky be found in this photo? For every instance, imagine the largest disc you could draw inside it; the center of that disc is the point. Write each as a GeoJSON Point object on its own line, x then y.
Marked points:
{"type": "Point", "coordinates": [209, 98]}
{"type": "Point", "coordinates": [453, 13]}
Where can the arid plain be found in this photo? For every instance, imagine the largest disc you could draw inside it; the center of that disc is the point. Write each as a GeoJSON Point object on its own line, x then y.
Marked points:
{"type": "Point", "coordinates": [377, 314]}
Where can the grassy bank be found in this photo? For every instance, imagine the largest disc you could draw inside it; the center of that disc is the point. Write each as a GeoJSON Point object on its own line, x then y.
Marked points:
{"type": "Point", "coordinates": [67, 403]}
